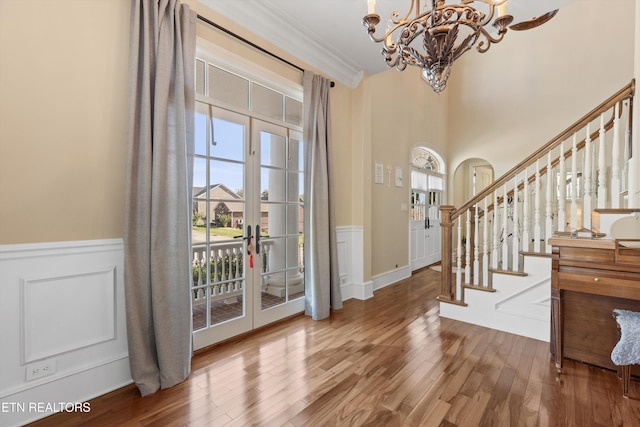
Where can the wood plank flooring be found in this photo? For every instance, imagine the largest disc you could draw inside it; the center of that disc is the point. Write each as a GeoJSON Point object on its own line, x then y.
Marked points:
{"type": "Point", "coordinates": [387, 361]}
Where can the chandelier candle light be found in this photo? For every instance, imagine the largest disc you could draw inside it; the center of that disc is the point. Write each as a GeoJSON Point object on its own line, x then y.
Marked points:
{"type": "Point", "coordinates": [448, 31]}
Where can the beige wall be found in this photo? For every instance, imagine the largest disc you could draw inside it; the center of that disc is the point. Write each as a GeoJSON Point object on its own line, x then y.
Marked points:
{"type": "Point", "coordinates": [63, 119]}
{"type": "Point", "coordinates": [404, 112]}
{"type": "Point", "coordinates": [534, 84]}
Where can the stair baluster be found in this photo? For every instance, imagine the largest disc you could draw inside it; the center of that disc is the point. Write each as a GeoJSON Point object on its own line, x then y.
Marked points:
{"type": "Point", "coordinates": [526, 213]}
{"type": "Point", "coordinates": [615, 160]}
{"type": "Point", "coordinates": [602, 166]}
{"type": "Point", "coordinates": [476, 248]}
{"type": "Point", "coordinates": [515, 240]}
{"type": "Point", "coordinates": [467, 249]}
{"type": "Point", "coordinates": [495, 255]}
{"type": "Point", "coordinates": [485, 246]}
{"type": "Point", "coordinates": [574, 184]}
{"type": "Point", "coordinates": [548, 214]}
{"type": "Point", "coordinates": [586, 176]}
{"type": "Point", "coordinates": [537, 233]}
{"type": "Point", "coordinates": [505, 228]}
{"type": "Point", "coordinates": [562, 191]}
{"type": "Point", "coordinates": [459, 263]}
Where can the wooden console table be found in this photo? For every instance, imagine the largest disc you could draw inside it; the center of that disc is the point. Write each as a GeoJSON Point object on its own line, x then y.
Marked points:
{"type": "Point", "coordinates": [589, 278]}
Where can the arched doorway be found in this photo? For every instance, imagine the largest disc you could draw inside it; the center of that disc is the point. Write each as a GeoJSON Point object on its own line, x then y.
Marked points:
{"type": "Point", "coordinates": [427, 194]}
{"type": "Point", "coordinates": [470, 178]}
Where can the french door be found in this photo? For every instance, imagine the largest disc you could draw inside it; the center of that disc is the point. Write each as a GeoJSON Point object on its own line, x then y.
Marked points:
{"type": "Point", "coordinates": [248, 224]}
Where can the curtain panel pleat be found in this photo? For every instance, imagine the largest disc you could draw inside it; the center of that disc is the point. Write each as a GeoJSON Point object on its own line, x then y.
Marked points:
{"type": "Point", "coordinates": [322, 281]}
{"type": "Point", "coordinates": [157, 233]}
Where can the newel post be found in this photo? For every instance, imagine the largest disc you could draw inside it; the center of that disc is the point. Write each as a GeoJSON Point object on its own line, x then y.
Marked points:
{"type": "Point", "coordinates": [446, 226]}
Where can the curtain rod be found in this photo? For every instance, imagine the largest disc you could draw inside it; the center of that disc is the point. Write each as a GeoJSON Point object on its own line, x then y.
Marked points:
{"type": "Point", "coordinates": [253, 45]}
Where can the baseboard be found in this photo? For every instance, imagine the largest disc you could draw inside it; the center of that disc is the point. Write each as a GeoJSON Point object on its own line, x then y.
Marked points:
{"type": "Point", "coordinates": [361, 291]}
{"type": "Point", "coordinates": [518, 325]}
{"type": "Point", "coordinates": [390, 277]}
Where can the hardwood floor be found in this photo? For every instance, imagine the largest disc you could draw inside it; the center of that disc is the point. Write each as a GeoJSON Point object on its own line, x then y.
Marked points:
{"type": "Point", "coordinates": [387, 361]}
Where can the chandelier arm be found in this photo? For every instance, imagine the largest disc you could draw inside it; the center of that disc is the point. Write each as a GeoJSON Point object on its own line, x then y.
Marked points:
{"type": "Point", "coordinates": [387, 35]}
{"type": "Point", "coordinates": [492, 8]}
{"type": "Point", "coordinates": [482, 48]}
{"type": "Point", "coordinates": [390, 57]}
{"type": "Point", "coordinates": [467, 15]}
{"type": "Point", "coordinates": [406, 17]}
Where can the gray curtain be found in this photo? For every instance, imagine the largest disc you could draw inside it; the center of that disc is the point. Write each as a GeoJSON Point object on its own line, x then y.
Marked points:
{"type": "Point", "coordinates": [322, 282]}
{"type": "Point", "coordinates": [157, 268]}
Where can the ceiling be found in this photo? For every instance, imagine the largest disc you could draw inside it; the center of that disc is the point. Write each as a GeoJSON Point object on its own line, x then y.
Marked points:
{"type": "Point", "coordinates": [329, 34]}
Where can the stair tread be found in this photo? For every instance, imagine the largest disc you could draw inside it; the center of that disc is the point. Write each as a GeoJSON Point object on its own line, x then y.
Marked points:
{"type": "Point", "coordinates": [538, 254]}
{"type": "Point", "coordinates": [617, 210]}
{"type": "Point", "coordinates": [454, 302]}
{"type": "Point", "coordinates": [477, 287]}
{"type": "Point", "coordinates": [509, 272]}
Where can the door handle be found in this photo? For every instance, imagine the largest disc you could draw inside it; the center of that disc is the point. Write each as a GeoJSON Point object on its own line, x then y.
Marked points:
{"type": "Point", "coordinates": [247, 238]}
{"type": "Point", "coordinates": [258, 239]}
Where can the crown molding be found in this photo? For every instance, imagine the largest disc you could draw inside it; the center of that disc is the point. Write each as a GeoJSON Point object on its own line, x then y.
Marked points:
{"type": "Point", "coordinates": [276, 27]}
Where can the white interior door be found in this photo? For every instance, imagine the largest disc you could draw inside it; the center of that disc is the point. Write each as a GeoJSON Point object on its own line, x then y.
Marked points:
{"type": "Point", "coordinates": [481, 175]}
{"type": "Point", "coordinates": [248, 233]}
{"type": "Point", "coordinates": [433, 230]}
{"type": "Point", "coordinates": [425, 234]}
{"type": "Point", "coordinates": [419, 239]}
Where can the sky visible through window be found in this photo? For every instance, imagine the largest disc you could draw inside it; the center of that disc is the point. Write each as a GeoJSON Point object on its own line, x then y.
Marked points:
{"type": "Point", "coordinates": [228, 144]}
{"type": "Point", "coordinates": [228, 153]}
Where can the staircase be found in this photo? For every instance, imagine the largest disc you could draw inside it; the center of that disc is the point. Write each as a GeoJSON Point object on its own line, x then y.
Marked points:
{"type": "Point", "coordinates": [496, 260]}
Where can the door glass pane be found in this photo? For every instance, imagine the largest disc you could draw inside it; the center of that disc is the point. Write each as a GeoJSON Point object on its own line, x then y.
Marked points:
{"type": "Point", "coordinates": [296, 155]}
{"type": "Point", "coordinates": [201, 129]}
{"type": "Point", "coordinates": [295, 267]}
{"type": "Point", "coordinates": [226, 196]}
{"type": "Point", "coordinates": [282, 189]}
{"type": "Point", "coordinates": [273, 150]}
{"type": "Point", "coordinates": [418, 205]}
{"type": "Point", "coordinates": [225, 143]}
{"type": "Point", "coordinates": [218, 218]}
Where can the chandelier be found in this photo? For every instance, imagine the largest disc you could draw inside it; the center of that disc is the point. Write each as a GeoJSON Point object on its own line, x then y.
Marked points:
{"type": "Point", "coordinates": [447, 30]}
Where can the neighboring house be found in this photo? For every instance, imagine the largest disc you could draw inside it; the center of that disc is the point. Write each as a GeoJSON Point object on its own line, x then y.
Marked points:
{"type": "Point", "coordinates": [223, 201]}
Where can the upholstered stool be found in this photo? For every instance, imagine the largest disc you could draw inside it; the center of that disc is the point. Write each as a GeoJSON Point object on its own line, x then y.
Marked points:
{"type": "Point", "coordinates": [627, 351]}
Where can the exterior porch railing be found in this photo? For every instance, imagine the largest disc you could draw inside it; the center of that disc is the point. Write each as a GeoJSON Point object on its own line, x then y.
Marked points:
{"type": "Point", "coordinates": [221, 272]}
{"type": "Point", "coordinates": [225, 269]}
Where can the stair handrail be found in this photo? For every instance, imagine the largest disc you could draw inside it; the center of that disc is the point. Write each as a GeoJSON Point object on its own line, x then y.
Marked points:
{"type": "Point", "coordinates": [625, 93]}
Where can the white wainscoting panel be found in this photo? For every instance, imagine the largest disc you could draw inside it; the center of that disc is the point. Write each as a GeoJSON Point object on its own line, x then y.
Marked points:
{"type": "Point", "coordinates": [350, 244]}
{"type": "Point", "coordinates": [62, 306]}
{"type": "Point", "coordinates": [87, 316]}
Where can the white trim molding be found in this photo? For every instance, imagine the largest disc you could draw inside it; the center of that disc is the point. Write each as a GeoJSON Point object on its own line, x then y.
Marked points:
{"type": "Point", "coordinates": [390, 277]}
